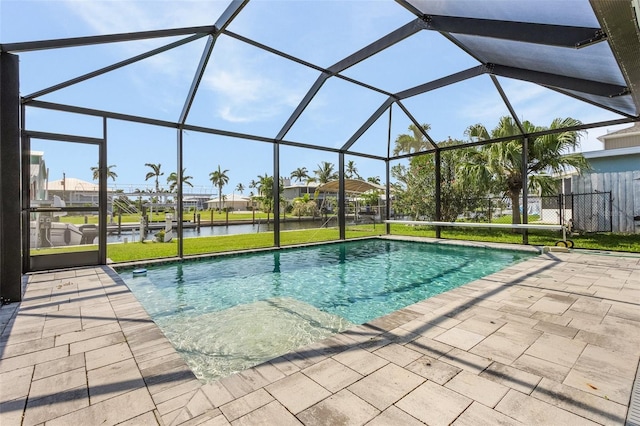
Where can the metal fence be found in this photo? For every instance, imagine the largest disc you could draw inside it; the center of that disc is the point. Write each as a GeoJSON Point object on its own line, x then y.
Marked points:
{"type": "Point", "coordinates": [586, 212]}
{"type": "Point", "coordinates": [589, 212]}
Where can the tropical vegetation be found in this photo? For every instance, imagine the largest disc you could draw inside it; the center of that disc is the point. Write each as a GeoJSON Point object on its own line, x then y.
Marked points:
{"type": "Point", "coordinates": [219, 179]}
{"type": "Point", "coordinates": [325, 172]}
{"type": "Point", "coordinates": [172, 180]}
{"type": "Point", "coordinates": [498, 167]}
{"type": "Point", "coordinates": [155, 173]}
{"type": "Point", "coordinates": [415, 189]}
{"type": "Point", "coordinates": [301, 174]}
{"type": "Point", "coordinates": [110, 173]}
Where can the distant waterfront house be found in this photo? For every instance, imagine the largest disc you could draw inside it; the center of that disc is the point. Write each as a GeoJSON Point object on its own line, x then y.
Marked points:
{"type": "Point", "coordinates": [74, 192]}
{"type": "Point", "coordinates": [195, 202]}
{"type": "Point", "coordinates": [231, 202]}
{"type": "Point", "coordinates": [292, 192]}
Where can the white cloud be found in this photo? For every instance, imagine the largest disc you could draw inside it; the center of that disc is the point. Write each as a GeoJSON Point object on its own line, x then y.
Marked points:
{"type": "Point", "coordinates": [246, 95]}
{"type": "Point", "coordinates": [121, 16]}
{"type": "Point", "coordinates": [236, 86]}
{"type": "Point", "coordinates": [246, 89]}
{"type": "Point", "coordinates": [125, 16]}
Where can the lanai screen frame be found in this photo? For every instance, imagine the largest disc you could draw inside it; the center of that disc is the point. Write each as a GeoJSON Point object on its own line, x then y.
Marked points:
{"type": "Point", "coordinates": [621, 36]}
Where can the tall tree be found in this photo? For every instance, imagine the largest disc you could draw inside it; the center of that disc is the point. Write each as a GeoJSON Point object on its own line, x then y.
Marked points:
{"type": "Point", "coordinates": [351, 171]}
{"type": "Point", "coordinates": [415, 189]}
{"type": "Point", "coordinates": [325, 172]}
{"type": "Point", "coordinates": [172, 180]}
{"type": "Point", "coordinates": [415, 141]}
{"type": "Point", "coordinates": [219, 179]}
{"type": "Point", "coordinates": [498, 167]}
{"type": "Point", "coordinates": [264, 186]}
{"type": "Point", "coordinates": [154, 173]}
{"type": "Point", "coordinates": [110, 173]}
{"type": "Point", "coordinates": [300, 174]}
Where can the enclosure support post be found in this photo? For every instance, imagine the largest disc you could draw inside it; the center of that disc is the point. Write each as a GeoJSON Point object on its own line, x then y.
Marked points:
{"type": "Point", "coordinates": [342, 211]}
{"type": "Point", "coordinates": [525, 192]}
{"type": "Point", "coordinates": [179, 206]}
{"type": "Point", "coordinates": [25, 202]}
{"type": "Point", "coordinates": [10, 160]}
{"type": "Point", "coordinates": [102, 196]}
{"type": "Point", "coordinates": [611, 212]}
{"type": "Point", "coordinates": [561, 209]}
{"type": "Point", "coordinates": [276, 194]}
{"type": "Point", "coordinates": [438, 191]}
{"type": "Point", "coordinates": [388, 176]}
{"type": "Point", "coordinates": [387, 209]}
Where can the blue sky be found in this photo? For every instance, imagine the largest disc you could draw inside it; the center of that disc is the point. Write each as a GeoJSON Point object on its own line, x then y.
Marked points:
{"type": "Point", "coordinates": [248, 90]}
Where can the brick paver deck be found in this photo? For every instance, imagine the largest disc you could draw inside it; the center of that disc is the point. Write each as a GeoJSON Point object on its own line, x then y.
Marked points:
{"type": "Point", "coordinates": [552, 340]}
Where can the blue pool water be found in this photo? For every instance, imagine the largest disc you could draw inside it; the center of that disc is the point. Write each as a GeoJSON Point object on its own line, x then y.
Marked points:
{"type": "Point", "coordinates": [231, 312]}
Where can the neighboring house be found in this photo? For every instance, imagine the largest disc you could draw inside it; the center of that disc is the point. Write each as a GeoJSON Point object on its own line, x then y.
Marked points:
{"type": "Point", "coordinates": [37, 176]}
{"type": "Point", "coordinates": [231, 202]}
{"type": "Point", "coordinates": [74, 192]}
{"type": "Point", "coordinates": [615, 170]}
{"type": "Point", "coordinates": [616, 160]}
{"type": "Point", "coordinates": [198, 202]}
{"type": "Point", "coordinates": [292, 192]}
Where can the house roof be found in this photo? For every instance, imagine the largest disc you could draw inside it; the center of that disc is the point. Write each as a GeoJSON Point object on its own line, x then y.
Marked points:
{"type": "Point", "coordinates": [632, 150]}
{"type": "Point", "coordinates": [627, 131]}
{"type": "Point", "coordinates": [72, 184]}
{"type": "Point", "coordinates": [230, 198]}
{"type": "Point", "coordinates": [351, 185]}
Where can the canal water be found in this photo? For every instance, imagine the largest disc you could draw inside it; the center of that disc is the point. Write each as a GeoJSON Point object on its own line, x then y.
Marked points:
{"type": "Point", "coordinates": [244, 228]}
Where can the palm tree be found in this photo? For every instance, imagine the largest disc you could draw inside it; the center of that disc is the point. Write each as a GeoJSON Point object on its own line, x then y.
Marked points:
{"type": "Point", "coordinates": [219, 179]}
{"type": "Point", "coordinates": [264, 186]}
{"type": "Point", "coordinates": [351, 170]}
{"type": "Point", "coordinates": [110, 173]}
{"type": "Point", "coordinates": [325, 172]}
{"type": "Point", "coordinates": [498, 167]}
{"type": "Point", "coordinates": [415, 142]}
{"type": "Point", "coordinates": [300, 174]}
{"type": "Point", "coordinates": [240, 188]}
{"type": "Point", "coordinates": [172, 180]}
{"type": "Point", "coordinates": [374, 179]}
{"type": "Point", "coordinates": [155, 173]}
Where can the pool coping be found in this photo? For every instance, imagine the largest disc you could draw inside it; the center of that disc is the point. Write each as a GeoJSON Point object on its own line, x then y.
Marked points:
{"type": "Point", "coordinates": [440, 241]}
{"type": "Point", "coordinates": [439, 329]}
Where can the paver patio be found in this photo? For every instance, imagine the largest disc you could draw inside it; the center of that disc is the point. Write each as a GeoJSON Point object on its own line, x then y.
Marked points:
{"type": "Point", "coordinates": [551, 340]}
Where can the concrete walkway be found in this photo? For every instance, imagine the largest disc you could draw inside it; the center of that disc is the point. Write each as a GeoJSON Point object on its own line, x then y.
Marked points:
{"type": "Point", "coordinates": [554, 340]}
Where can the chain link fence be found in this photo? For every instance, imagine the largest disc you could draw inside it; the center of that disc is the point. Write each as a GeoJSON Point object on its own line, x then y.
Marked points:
{"type": "Point", "coordinates": [587, 212]}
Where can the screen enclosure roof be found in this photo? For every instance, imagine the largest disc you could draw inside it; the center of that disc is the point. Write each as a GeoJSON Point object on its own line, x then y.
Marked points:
{"type": "Point", "coordinates": [427, 60]}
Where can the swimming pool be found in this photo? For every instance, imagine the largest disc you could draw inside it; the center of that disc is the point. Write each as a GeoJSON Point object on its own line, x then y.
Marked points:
{"type": "Point", "coordinates": [228, 313]}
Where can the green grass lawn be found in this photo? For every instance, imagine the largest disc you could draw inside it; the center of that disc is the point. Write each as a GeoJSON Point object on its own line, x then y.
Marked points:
{"type": "Point", "coordinates": [222, 243]}
{"type": "Point", "coordinates": [133, 251]}
{"type": "Point", "coordinates": [600, 241]}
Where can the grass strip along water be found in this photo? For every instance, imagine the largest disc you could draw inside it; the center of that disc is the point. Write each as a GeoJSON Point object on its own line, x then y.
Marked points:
{"type": "Point", "coordinates": [133, 251]}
